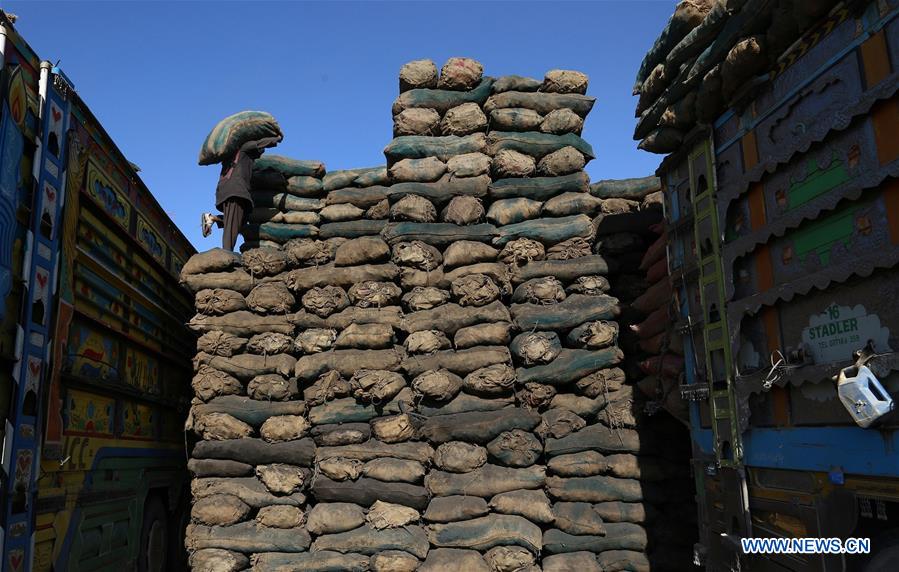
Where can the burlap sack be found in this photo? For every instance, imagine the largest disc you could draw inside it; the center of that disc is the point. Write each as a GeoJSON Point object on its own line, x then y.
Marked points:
{"type": "Point", "coordinates": [394, 470]}
{"type": "Point", "coordinates": [522, 251]}
{"type": "Point", "coordinates": [426, 342]}
{"type": "Point", "coordinates": [371, 294]}
{"type": "Point", "coordinates": [219, 510]}
{"type": "Point", "coordinates": [393, 429]}
{"type": "Point", "coordinates": [218, 301]}
{"type": "Point", "coordinates": [333, 518]}
{"type": "Point", "coordinates": [270, 343]}
{"type": "Point", "coordinates": [594, 335]}
{"type": "Point", "coordinates": [365, 336]}
{"type": "Point", "coordinates": [233, 131]}
{"type": "Point", "coordinates": [270, 387]}
{"type": "Point", "coordinates": [264, 261]}
{"type": "Point", "coordinates": [376, 176]}
{"type": "Point", "coordinates": [468, 165]}
{"type": "Point", "coordinates": [534, 348]}
{"type": "Point", "coordinates": [561, 121]}
{"type": "Point", "coordinates": [564, 81]}
{"type": "Point", "coordinates": [218, 560]}
{"type": "Point", "coordinates": [284, 428]}
{"type": "Point", "coordinates": [271, 298]}
{"type": "Point", "coordinates": [362, 250]}
{"type": "Point", "coordinates": [413, 208]}
{"type": "Point", "coordinates": [416, 121]}
{"type": "Point", "coordinates": [341, 469]}
{"type": "Point", "coordinates": [565, 161]}
{"type": "Point", "coordinates": [460, 74]}
{"type": "Point", "coordinates": [459, 457]}
{"type": "Point", "coordinates": [515, 119]}
{"type": "Point", "coordinates": [463, 120]}
{"type": "Point", "coordinates": [536, 395]}
{"type": "Point", "coordinates": [341, 212]}
{"type": "Point", "coordinates": [439, 385]}
{"type": "Point", "coordinates": [220, 343]}
{"type": "Point", "coordinates": [281, 517]}
{"type": "Point", "coordinates": [516, 83]}
{"type": "Point", "coordinates": [393, 561]}
{"type": "Point", "coordinates": [209, 383]}
{"type": "Point", "coordinates": [324, 301]}
{"type": "Point", "coordinates": [379, 211]}
{"type": "Point", "coordinates": [425, 170]}
{"type": "Point", "coordinates": [508, 164]}
{"type": "Point", "coordinates": [509, 559]}
{"type": "Point", "coordinates": [425, 298]}
{"type": "Point", "coordinates": [306, 251]}
{"type": "Point", "coordinates": [514, 210]}
{"type": "Point", "coordinates": [544, 291]}
{"type": "Point", "coordinates": [418, 74]}
{"type": "Point", "coordinates": [280, 478]}
{"type": "Point", "coordinates": [601, 382]}
{"type": "Point", "coordinates": [533, 505]}
{"type": "Point", "coordinates": [515, 448]}
{"type": "Point", "coordinates": [492, 334]}
{"type": "Point", "coordinates": [463, 211]}
{"type": "Point", "coordinates": [590, 286]}
{"type": "Point", "coordinates": [416, 254]}
{"type": "Point", "coordinates": [221, 426]}
{"type": "Point", "coordinates": [376, 386]}
{"type": "Point", "coordinates": [490, 380]}
{"type": "Point", "coordinates": [569, 249]}
{"type": "Point", "coordinates": [560, 422]}
{"type": "Point", "coordinates": [383, 515]}
{"type": "Point", "coordinates": [467, 252]}
{"type": "Point", "coordinates": [315, 340]}
{"type": "Point", "coordinates": [474, 290]}
{"type": "Point", "coordinates": [745, 60]}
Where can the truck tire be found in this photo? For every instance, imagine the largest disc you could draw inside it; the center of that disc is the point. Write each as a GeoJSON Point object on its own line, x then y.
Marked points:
{"type": "Point", "coordinates": [154, 537]}
{"type": "Point", "coordinates": [177, 529]}
{"type": "Point", "coordinates": [886, 553]}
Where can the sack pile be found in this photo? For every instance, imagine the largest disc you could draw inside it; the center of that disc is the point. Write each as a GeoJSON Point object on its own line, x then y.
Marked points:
{"type": "Point", "coordinates": [425, 373]}
{"type": "Point", "coordinates": [629, 234]}
{"type": "Point", "coordinates": [706, 57]}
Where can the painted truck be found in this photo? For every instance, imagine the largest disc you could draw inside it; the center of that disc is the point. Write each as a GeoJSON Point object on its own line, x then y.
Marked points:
{"type": "Point", "coordinates": [783, 226]}
{"type": "Point", "coordinates": [94, 353]}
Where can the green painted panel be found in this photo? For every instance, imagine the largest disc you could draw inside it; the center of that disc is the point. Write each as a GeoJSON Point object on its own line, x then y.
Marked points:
{"type": "Point", "coordinates": [818, 182]}
{"type": "Point", "coordinates": [821, 235]}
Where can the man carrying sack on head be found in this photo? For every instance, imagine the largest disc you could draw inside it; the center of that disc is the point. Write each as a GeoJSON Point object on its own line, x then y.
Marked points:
{"type": "Point", "coordinates": [236, 142]}
{"type": "Point", "coordinates": [232, 194]}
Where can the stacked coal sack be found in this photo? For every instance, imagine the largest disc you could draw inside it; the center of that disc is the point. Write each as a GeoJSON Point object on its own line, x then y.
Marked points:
{"type": "Point", "coordinates": [290, 202]}
{"type": "Point", "coordinates": [429, 379]}
{"type": "Point", "coordinates": [628, 236]}
{"type": "Point", "coordinates": [658, 347]}
{"type": "Point", "coordinates": [516, 487]}
{"type": "Point", "coordinates": [707, 56]}
{"type": "Point", "coordinates": [287, 196]}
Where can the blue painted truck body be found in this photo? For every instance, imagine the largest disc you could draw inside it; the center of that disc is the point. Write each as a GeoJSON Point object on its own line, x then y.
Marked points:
{"type": "Point", "coordinates": [805, 171]}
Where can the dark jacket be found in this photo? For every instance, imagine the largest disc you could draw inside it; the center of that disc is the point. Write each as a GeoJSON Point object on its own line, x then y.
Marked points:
{"type": "Point", "coordinates": [234, 182]}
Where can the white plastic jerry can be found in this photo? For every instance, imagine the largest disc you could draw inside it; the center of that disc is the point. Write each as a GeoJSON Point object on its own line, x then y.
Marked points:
{"type": "Point", "coordinates": [863, 395]}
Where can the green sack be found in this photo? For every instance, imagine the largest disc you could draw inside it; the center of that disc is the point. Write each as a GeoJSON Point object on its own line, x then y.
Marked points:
{"type": "Point", "coordinates": [290, 167]}
{"type": "Point", "coordinates": [233, 131]}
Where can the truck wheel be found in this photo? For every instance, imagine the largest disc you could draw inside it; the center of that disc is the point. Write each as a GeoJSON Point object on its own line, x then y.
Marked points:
{"type": "Point", "coordinates": [886, 553]}
{"type": "Point", "coordinates": [154, 537]}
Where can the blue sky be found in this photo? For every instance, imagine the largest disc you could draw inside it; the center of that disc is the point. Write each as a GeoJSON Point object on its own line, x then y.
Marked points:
{"type": "Point", "coordinates": [159, 75]}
